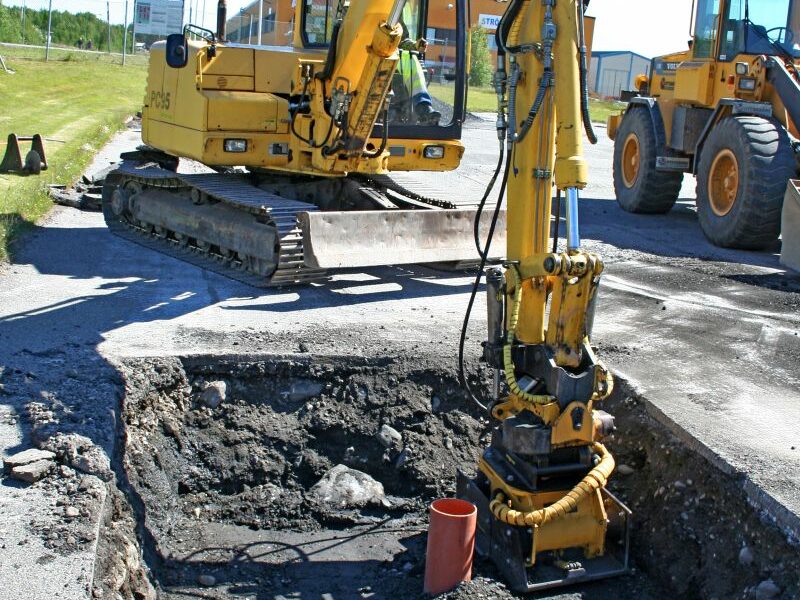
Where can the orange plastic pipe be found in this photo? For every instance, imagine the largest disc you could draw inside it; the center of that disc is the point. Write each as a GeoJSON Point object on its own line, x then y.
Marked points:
{"type": "Point", "coordinates": [451, 541]}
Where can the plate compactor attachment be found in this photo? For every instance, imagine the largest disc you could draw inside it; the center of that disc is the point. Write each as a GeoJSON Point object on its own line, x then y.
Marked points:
{"type": "Point", "coordinates": [35, 160]}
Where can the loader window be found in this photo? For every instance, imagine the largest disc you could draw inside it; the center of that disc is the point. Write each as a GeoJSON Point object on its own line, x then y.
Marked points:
{"type": "Point", "coordinates": [752, 28]}
{"type": "Point", "coordinates": [705, 30]}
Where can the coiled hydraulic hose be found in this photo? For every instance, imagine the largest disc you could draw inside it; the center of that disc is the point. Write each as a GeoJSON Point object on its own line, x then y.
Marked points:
{"type": "Point", "coordinates": [595, 480]}
{"type": "Point", "coordinates": [508, 360]}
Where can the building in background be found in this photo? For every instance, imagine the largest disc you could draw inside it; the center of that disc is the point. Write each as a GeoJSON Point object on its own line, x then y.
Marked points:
{"type": "Point", "coordinates": [611, 73]}
{"type": "Point", "coordinates": [278, 24]}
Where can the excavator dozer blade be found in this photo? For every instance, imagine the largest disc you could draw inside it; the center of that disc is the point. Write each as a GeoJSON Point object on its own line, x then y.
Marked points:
{"type": "Point", "coordinates": [337, 240]}
{"type": "Point", "coordinates": [790, 230]}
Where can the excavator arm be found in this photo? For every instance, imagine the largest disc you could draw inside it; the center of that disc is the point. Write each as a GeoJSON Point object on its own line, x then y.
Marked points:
{"type": "Point", "coordinates": [340, 100]}
{"type": "Point", "coordinates": [544, 511]}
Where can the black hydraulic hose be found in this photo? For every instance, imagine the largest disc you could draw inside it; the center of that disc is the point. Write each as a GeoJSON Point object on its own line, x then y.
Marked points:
{"type": "Point", "coordinates": [477, 223]}
{"type": "Point", "coordinates": [385, 138]}
{"type": "Point", "coordinates": [330, 59]}
{"type": "Point", "coordinates": [476, 286]}
{"type": "Point", "coordinates": [294, 120]}
{"type": "Point", "coordinates": [547, 81]}
{"type": "Point", "coordinates": [584, 77]}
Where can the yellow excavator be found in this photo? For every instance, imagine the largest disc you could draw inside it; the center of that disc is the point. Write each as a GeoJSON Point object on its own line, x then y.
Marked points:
{"type": "Point", "coordinates": [303, 121]}
{"type": "Point", "coordinates": [319, 123]}
{"type": "Point", "coordinates": [726, 110]}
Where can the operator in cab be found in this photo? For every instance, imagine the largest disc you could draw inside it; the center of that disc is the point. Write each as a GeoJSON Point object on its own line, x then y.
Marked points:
{"type": "Point", "coordinates": [410, 67]}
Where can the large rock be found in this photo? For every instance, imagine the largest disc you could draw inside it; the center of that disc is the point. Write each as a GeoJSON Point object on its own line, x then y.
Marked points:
{"type": "Point", "coordinates": [342, 487]}
{"type": "Point", "coordinates": [33, 472]}
{"type": "Point", "coordinates": [27, 457]}
{"type": "Point", "coordinates": [215, 394]}
{"type": "Point", "coordinates": [389, 436]}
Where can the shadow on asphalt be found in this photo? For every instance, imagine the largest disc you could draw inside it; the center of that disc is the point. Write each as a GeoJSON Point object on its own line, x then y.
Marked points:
{"type": "Point", "coordinates": [676, 234]}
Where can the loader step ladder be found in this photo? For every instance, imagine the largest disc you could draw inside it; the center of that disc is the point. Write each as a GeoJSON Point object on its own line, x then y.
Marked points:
{"type": "Point", "coordinates": [35, 160]}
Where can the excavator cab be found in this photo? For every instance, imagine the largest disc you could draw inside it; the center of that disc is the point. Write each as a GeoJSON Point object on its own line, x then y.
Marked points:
{"type": "Point", "coordinates": [429, 86]}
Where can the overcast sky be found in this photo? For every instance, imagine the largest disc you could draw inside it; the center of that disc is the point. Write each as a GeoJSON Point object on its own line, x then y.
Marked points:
{"type": "Point", "coordinates": [621, 24]}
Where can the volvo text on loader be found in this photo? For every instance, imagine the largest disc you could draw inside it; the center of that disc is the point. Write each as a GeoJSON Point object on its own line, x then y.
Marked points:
{"type": "Point", "coordinates": [726, 110]}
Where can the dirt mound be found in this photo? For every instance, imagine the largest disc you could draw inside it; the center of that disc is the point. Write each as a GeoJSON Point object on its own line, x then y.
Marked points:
{"type": "Point", "coordinates": [282, 426]}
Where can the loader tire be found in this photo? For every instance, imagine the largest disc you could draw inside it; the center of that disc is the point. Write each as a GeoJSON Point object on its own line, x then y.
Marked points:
{"type": "Point", "coordinates": [741, 182]}
{"type": "Point", "coordinates": [638, 186]}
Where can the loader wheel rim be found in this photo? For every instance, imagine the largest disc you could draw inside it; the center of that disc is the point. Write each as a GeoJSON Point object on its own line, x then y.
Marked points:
{"type": "Point", "coordinates": [723, 183]}
{"type": "Point", "coordinates": [630, 160]}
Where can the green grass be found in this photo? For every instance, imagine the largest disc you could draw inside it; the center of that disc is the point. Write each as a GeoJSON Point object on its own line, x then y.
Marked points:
{"type": "Point", "coordinates": [485, 100]}
{"type": "Point", "coordinates": [76, 101]}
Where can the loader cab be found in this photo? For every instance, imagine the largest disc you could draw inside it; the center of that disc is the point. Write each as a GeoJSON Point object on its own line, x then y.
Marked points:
{"type": "Point", "coordinates": [725, 29]}
{"type": "Point", "coordinates": [435, 77]}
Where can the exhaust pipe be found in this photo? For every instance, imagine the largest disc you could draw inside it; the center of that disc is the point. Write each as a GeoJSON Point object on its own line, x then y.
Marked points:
{"type": "Point", "coordinates": [222, 20]}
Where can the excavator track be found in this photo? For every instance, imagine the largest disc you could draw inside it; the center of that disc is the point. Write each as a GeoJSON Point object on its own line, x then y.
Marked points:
{"type": "Point", "coordinates": [232, 190]}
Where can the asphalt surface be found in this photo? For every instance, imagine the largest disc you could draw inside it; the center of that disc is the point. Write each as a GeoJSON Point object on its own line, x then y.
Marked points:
{"type": "Point", "coordinates": [709, 336]}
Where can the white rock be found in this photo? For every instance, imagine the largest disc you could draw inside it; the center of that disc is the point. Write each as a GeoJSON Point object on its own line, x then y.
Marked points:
{"type": "Point", "coordinates": [207, 580]}
{"type": "Point", "coordinates": [343, 487]}
{"type": "Point", "coordinates": [625, 470]}
{"type": "Point", "coordinates": [389, 436]}
{"type": "Point", "coordinates": [215, 394]}
{"type": "Point", "coordinates": [766, 590]}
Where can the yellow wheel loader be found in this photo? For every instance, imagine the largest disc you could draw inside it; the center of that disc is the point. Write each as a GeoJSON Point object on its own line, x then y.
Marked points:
{"type": "Point", "coordinates": [301, 137]}
{"type": "Point", "coordinates": [726, 110]}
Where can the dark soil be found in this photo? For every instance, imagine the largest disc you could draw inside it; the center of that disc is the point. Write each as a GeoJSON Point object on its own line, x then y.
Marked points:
{"type": "Point", "coordinates": [224, 510]}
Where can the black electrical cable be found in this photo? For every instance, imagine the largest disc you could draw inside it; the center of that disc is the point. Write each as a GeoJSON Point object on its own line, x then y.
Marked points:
{"type": "Point", "coordinates": [476, 286]}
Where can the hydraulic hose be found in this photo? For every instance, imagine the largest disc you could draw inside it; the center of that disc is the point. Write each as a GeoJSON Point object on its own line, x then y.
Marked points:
{"type": "Point", "coordinates": [584, 77]}
{"type": "Point", "coordinates": [508, 360]}
{"type": "Point", "coordinates": [595, 480]}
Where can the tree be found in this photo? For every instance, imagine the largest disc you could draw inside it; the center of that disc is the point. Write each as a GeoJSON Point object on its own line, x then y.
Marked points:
{"type": "Point", "coordinates": [480, 63]}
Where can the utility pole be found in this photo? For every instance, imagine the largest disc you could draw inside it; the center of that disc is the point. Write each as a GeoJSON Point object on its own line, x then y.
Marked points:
{"type": "Point", "coordinates": [23, 21]}
{"type": "Point", "coordinates": [49, 25]}
{"type": "Point", "coordinates": [203, 20]}
{"type": "Point", "coordinates": [260, 20]}
{"type": "Point", "coordinates": [250, 32]}
{"type": "Point", "coordinates": [125, 35]}
{"type": "Point", "coordinates": [108, 18]}
{"type": "Point", "coordinates": [133, 40]}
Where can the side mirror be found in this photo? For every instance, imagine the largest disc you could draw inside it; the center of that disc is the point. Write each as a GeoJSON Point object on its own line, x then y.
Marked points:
{"type": "Point", "coordinates": [177, 51]}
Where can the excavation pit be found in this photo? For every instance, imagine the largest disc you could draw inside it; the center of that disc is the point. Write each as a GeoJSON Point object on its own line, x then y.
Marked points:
{"type": "Point", "coordinates": [221, 459]}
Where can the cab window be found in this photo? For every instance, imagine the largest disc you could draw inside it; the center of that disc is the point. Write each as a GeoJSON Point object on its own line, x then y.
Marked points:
{"type": "Point", "coordinates": [318, 19]}
{"type": "Point", "coordinates": [705, 28]}
{"type": "Point", "coordinates": [753, 27]}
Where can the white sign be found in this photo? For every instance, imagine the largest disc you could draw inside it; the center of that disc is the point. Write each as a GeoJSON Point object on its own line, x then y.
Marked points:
{"type": "Point", "coordinates": [489, 22]}
{"type": "Point", "coordinates": [158, 17]}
